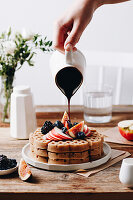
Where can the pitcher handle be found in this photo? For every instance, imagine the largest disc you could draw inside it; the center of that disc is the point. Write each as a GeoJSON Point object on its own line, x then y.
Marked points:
{"type": "Point", "coordinates": [69, 56]}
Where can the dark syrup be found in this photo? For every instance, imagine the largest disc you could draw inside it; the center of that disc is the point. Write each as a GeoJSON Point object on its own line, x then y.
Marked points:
{"type": "Point", "coordinates": [68, 80]}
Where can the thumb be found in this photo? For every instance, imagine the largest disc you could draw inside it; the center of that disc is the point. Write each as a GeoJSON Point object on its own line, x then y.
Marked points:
{"type": "Point", "coordinates": [73, 37]}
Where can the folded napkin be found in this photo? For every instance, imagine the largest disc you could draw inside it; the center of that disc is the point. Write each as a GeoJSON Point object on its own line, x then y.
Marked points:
{"type": "Point", "coordinates": [113, 135]}
{"type": "Point", "coordinates": [116, 156]}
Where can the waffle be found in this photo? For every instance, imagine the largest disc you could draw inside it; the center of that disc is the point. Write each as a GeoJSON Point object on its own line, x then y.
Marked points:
{"type": "Point", "coordinates": [96, 145]}
{"type": "Point", "coordinates": [38, 158]}
{"type": "Point", "coordinates": [70, 155]}
{"type": "Point", "coordinates": [41, 152]}
{"type": "Point", "coordinates": [67, 161]}
{"type": "Point", "coordinates": [68, 146]}
{"type": "Point", "coordinates": [37, 140]}
{"type": "Point", "coordinates": [66, 152]}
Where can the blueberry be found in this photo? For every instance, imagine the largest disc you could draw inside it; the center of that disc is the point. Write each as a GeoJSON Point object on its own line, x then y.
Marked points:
{"type": "Point", "coordinates": [64, 129]}
{"type": "Point", "coordinates": [75, 123]}
{"type": "Point", "coordinates": [69, 124]}
{"type": "Point", "coordinates": [47, 126]}
{"type": "Point", "coordinates": [80, 135]}
{"type": "Point", "coordinates": [58, 124]}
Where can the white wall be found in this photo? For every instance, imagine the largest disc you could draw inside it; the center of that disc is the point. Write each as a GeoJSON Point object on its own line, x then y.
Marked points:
{"type": "Point", "coordinates": [110, 30]}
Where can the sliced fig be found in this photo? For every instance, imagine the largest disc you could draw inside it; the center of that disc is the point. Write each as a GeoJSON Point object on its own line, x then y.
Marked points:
{"type": "Point", "coordinates": [66, 124]}
{"type": "Point", "coordinates": [65, 118]}
{"type": "Point", "coordinates": [24, 171]}
{"type": "Point", "coordinates": [75, 129]}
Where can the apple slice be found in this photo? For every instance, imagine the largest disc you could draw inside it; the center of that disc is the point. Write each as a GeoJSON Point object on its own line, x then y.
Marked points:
{"type": "Point", "coordinates": [59, 134]}
{"type": "Point", "coordinates": [55, 138]}
{"type": "Point", "coordinates": [89, 133]}
{"type": "Point", "coordinates": [65, 118]}
{"type": "Point", "coordinates": [47, 136]}
{"type": "Point", "coordinates": [126, 129]}
{"type": "Point", "coordinates": [75, 129]}
{"type": "Point", "coordinates": [85, 130]}
{"type": "Point", "coordinates": [50, 136]}
{"type": "Point", "coordinates": [131, 128]}
{"type": "Point", "coordinates": [125, 123]}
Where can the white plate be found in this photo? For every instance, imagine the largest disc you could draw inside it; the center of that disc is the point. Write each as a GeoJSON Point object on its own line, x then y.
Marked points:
{"type": "Point", "coordinates": [8, 171]}
{"type": "Point", "coordinates": [70, 167]}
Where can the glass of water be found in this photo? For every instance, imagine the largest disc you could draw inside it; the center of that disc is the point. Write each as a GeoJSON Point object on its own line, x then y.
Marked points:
{"type": "Point", "coordinates": [98, 104]}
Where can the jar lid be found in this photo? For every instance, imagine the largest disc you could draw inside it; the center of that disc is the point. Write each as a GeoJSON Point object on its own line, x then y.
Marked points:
{"type": "Point", "coordinates": [22, 89]}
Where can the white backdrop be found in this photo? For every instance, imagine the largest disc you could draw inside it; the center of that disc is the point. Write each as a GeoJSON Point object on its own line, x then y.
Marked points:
{"type": "Point", "coordinates": [110, 30]}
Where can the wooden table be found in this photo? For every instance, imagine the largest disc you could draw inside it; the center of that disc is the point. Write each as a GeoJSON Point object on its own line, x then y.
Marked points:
{"type": "Point", "coordinates": [58, 185]}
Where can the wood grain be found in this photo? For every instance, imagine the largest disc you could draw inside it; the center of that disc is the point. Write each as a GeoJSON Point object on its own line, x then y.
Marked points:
{"type": "Point", "coordinates": [60, 185]}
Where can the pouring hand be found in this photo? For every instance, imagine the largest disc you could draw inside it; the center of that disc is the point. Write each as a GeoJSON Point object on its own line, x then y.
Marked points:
{"type": "Point", "coordinates": [69, 27]}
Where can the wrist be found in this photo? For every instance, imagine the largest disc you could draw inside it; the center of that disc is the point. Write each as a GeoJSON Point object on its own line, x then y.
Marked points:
{"type": "Point", "coordinates": [98, 3]}
{"type": "Point", "coordinates": [95, 3]}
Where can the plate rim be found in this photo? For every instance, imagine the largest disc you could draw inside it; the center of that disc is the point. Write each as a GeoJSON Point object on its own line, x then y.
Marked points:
{"type": "Point", "coordinates": [69, 167]}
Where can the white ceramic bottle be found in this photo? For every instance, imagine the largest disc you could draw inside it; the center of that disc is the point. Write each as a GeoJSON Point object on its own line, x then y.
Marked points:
{"type": "Point", "coordinates": [22, 118]}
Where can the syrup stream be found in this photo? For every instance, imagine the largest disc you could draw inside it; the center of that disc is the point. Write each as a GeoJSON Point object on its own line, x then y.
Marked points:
{"type": "Point", "coordinates": [68, 80]}
{"type": "Point", "coordinates": [69, 108]}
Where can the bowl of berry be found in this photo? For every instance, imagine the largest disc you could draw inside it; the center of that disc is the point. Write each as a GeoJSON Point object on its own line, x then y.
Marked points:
{"type": "Point", "coordinates": [7, 165]}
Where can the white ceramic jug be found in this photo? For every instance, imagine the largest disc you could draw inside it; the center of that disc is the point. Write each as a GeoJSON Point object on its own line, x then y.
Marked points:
{"type": "Point", "coordinates": [59, 61]}
{"type": "Point", "coordinates": [23, 119]}
{"type": "Point", "coordinates": [126, 172]}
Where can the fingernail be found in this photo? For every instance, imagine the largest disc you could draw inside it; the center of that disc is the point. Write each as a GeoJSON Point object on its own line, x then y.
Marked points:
{"type": "Point", "coordinates": [68, 47]}
{"type": "Point", "coordinates": [74, 49]}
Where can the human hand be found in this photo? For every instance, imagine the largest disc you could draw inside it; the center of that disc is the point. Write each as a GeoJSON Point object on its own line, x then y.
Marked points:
{"type": "Point", "coordinates": [69, 27]}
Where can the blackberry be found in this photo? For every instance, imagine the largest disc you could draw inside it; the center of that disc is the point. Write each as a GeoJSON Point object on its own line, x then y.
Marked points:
{"type": "Point", "coordinates": [80, 135]}
{"type": "Point", "coordinates": [58, 124]}
{"type": "Point", "coordinates": [3, 162]}
{"type": "Point", "coordinates": [75, 123]}
{"type": "Point", "coordinates": [47, 126]}
{"type": "Point", "coordinates": [6, 163]}
{"type": "Point", "coordinates": [12, 163]}
{"type": "Point", "coordinates": [69, 124]}
{"type": "Point", "coordinates": [64, 129]}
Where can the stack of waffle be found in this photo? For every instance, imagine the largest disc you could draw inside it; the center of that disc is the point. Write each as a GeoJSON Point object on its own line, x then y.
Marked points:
{"type": "Point", "coordinates": [66, 152]}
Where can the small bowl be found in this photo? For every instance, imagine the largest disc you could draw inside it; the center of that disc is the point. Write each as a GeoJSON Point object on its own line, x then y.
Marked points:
{"type": "Point", "coordinates": [126, 172]}
{"type": "Point", "coordinates": [8, 171]}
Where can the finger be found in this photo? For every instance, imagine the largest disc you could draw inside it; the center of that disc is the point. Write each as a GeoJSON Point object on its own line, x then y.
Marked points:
{"type": "Point", "coordinates": [69, 47]}
{"type": "Point", "coordinates": [74, 36]}
{"type": "Point", "coordinates": [59, 36]}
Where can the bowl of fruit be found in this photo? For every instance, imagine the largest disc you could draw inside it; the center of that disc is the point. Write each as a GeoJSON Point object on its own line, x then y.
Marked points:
{"type": "Point", "coordinates": [126, 129]}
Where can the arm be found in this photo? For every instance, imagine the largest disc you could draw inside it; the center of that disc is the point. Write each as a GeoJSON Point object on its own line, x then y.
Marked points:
{"type": "Point", "coordinates": [69, 27]}
{"type": "Point", "coordinates": [112, 1]}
